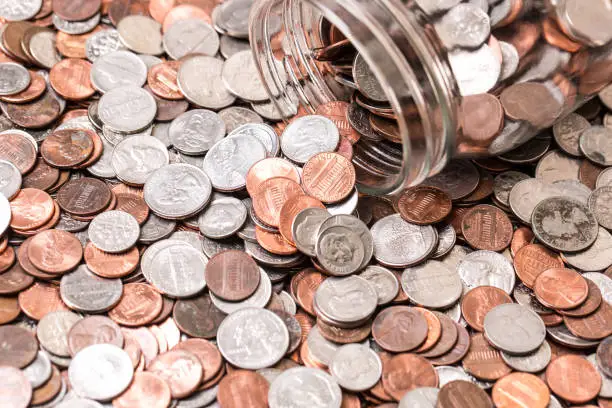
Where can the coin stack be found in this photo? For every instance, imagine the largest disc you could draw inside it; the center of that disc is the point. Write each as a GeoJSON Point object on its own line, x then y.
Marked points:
{"type": "Point", "coordinates": [175, 245]}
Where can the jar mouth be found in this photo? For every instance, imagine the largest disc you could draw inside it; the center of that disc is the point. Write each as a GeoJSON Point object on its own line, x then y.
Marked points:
{"type": "Point", "coordinates": [406, 57]}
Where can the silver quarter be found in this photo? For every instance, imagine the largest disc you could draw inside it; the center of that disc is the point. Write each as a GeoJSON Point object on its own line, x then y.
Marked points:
{"type": "Point", "coordinates": [432, 284]}
{"type": "Point", "coordinates": [236, 116]}
{"type": "Point", "coordinates": [102, 43]}
{"type": "Point", "coordinates": [259, 299]}
{"type": "Point", "coordinates": [262, 132]}
{"type": "Point", "coordinates": [422, 397]}
{"type": "Point", "coordinates": [503, 183]}
{"type": "Point", "coordinates": [356, 367]}
{"type": "Point", "coordinates": [476, 71]}
{"type": "Point", "coordinates": [85, 292]}
{"type": "Point", "coordinates": [398, 243]}
{"type": "Point", "coordinates": [10, 179]}
{"type": "Point", "coordinates": [604, 178]}
{"type": "Point", "coordinates": [39, 370]}
{"type": "Point", "coordinates": [52, 331]}
{"type": "Point", "coordinates": [366, 80]}
{"type": "Point", "coordinates": [603, 282]}
{"type": "Point", "coordinates": [298, 387]}
{"type": "Point", "coordinates": [339, 250]}
{"type": "Point", "coordinates": [177, 191]}
{"type": "Point", "coordinates": [305, 228]}
{"type": "Point", "coordinates": [596, 144]}
{"type": "Point", "coordinates": [223, 217]}
{"type": "Point", "coordinates": [307, 136]}
{"type": "Point", "coordinates": [75, 27]}
{"type": "Point", "coordinates": [253, 338]}
{"type": "Point", "coordinates": [100, 372]}
{"type": "Point", "coordinates": [567, 133]}
{"type": "Point", "coordinates": [464, 25]}
{"type": "Point", "coordinates": [556, 166]}
{"type": "Point", "coordinates": [114, 231]}
{"type": "Point", "coordinates": [595, 258]}
{"type": "Point", "coordinates": [533, 362]}
{"type": "Point", "coordinates": [14, 78]}
{"type": "Point", "coordinates": [347, 300]}
{"type": "Point", "coordinates": [191, 36]}
{"type": "Point", "coordinates": [18, 11]}
{"type": "Point", "coordinates": [358, 227]}
{"type": "Point", "coordinates": [135, 158]}
{"type": "Point", "coordinates": [600, 203]}
{"type": "Point", "coordinates": [514, 329]}
{"type": "Point", "coordinates": [447, 237]}
{"type": "Point", "coordinates": [229, 46]}
{"type": "Point", "coordinates": [196, 131]}
{"type": "Point", "coordinates": [155, 229]}
{"type": "Point", "coordinates": [127, 109]}
{"type": "Point", "coordinates": [141, 34]}
{"type": "Point", "coordinates": [487, 268]}
{"type": "Point", "coordinates": [178, 271]}
{"type": "Point", "coordinates": [384, 282]}
{"type": "Point", "coordinates": [458, 179]}
{"type": "Point", "coordinates": [117, 69]}
{"type": "Point", "coordinates": [199, 79]}
{"type": "Point", "coordinates": [241, 77]}
{"type": "Point", "coordinates": [232, 17]}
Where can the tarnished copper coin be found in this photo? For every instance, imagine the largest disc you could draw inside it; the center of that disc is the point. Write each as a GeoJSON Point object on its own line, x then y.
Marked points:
{"type": "Point", "coordinates": [337, 112]}
{"type": "Point", "coordinates": [520, 390]}
{"type": "Point", "coordinates": [41, 299]}
{"type": "Point", "coordinates": [405, 372]}
{"type": "Point", "coordinates": [55, 251]}
{"type": "Point", "coordinates": [109, 265]}
{"type": "Point", "coordinates": [482, 118]}
{"type": "Point", "coordinates": [36, 114]}
{"type": "Point", "coordinates": [18, 150]}
{"type": "Point", "coordinates": [463, 394]}
{"type": "Point", "coordinates": [67, 148]}
{"type": "Point", "coordinates": [329, 177]}
{"type": "Point", "coordinates": [36, 88]}
{"type": "Point", "coordinates": [487, 227]}
{"type": "Point", "coordinates": [483, 361]}
{"type": "Point", "coordinates": [532, 260]}
{"type": "Point", "coordinates": [70, 79]}
{"type": "Point", "coordinates": [291, 209]}
{"type": "Point", "coordinates": [532, 102]}
{"type": "Point", "coordinates": [521, 237]}
{"type": "Point", "coordinates": [76, 10]}
{"type": "Point", "coordinates": [198, 317]}
{"type": "Point", "coordinates": [434, 329]}
{"type": "Point", "coordinates": [232, 275]}
{"type": "Point", "coordinates": [14, 280]}
{"type": "Point", "coordinates": [42, 176]}
{"type": "Point", "coordinates": [9, 309]}
{"type": "Point", "coordinates": [399, 329]}
{"type": "Point", "coordinates": [561, 288]}
{"type": "Point", "coordinates": [243, 389]}
{"type": "Point", "coordinates": [595, 326]}
{"type": "Point", "coordinates": [274, 242]}
{"type": "Point", "coordinates": [93, 330]}
{"type": "Point", "coordinates": [134, 205]}
{"type": "Point", "coordinates": [18, 346]}
{"type": "Point", "coordinates": [7, 259]}
{"type": "Point", "coordinates": [162, 80]}
{"type": "Point", "coordinates": [84, 196]}
{"type": "Point", "coordinates": [147, 390]}
{"type": "Point", "coordinates": [344, 336]}
{"type": "Point", "coordinates": [573, 378]}
{"type": "Point", "coordinates": [139, 305]}
{"type": "Point", "coordinates": [271, 195]}
{"type": "Point", "coordinates": [479, 301]}
{"type": "Point", "coordinates": [181, 370]}
{"type": "Point", "coordinates": [268, 168]}
{"type": "Point", "coordinates": [30, 209]}
{"type": "Point", "coordinates": [207, 353]}
{"type": "Point", "coordinates": [424, 205]}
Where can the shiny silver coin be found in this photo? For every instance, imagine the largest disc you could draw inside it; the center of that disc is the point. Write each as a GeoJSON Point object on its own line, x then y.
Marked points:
{"type": "Point", "coordinates": [15, 78]}
{"type": "Point", "coordinates": [384, 282]}
{"type": "Point", "coordinates": [211, 247]}
{"type": "Point", "coordinates": [117, 69]}
{"type": "Point", "coordinates": [600, 203]}
{"type": "Point", "coordinates": [567, 133]}
{"type": "Point", "coordinates": [189, 237]}
{"type": "Point", "coordinates": [127, 109]}
{"type": "Point", "coordinates": [229, 160]}
{"type": "Point", "coordinates": [307, 136]}
{"type": "Point", "coordinates": [564, 224]}
{"type": "Point", "coordinates": [141, 34]}
{"type": "Point", "coordinates": [52, 331]}
{"type": "Point", "coordinates": [191, 36]}
{"type": "Point", "coordinates": [526, 194]}
{"type": "Point", "coordinates": [305, 228]}
{"type": "Point", "coordinates": [177, 191]}
{"type": "Point", "coordinates": [514, 329]}
{"type": "Point", "coordinates": [447, 238]}
{"type": "Point", "coordinates": [43, 50]}
{"type": "Point", "coordinates": [10, 179]}
{"type": "Point", "coordinates": [229, 46]}
{"type": "Point", "coordinates": [236, 116]}
{"type": "Point", "coordinates": [269, 259]}
{"type": "Point", "coordinates": [102, 43]}
{"type": "Point", "coordinates": [356, 367]}
{"type": "Point", "coordinates": [39, 370]}
{"type": "Point", "coordinates": [606, 382]}
{"type": "Point", "coordinates": [262, 132]}
{"type": "Point", "coordinates": [85, 292]}
{"type": "Point", "coordinates": [135, 158]}
{"type": "Point", "coordinates": [458, 179]}
{"type": "Point", "coordinates": [563, 336]}
{"type": "Point", "coordinates": [299, 386]}
{"type": "Point", "coordinates": [293, 327]}
{"type": "Point", "coordinates": [155, 229]}
{"type": "Point", "coordinates": [241, 77]}
{"type": "Point", "coordinates": [595, 258]}
{"type": "Point", "coordinates": [196, 131]}
{"type": "Point", "coordinates": [533, 362]}
{"type": "Point", "coordinates": [347, 300]}
{"type": "Point", "coordinates": [604, 178]}
{"type": "Point", "coordinates": [19, 11]}
{"type": "Point", "coordinates": [199, 79]}
{"type": "Point", "coordinates": [100, 372]}
{"type": "Point", "coordinates": [487, 268]}
{"type": "Point", "coordinates": [422, 397]}
{"type": "Point", "coordinates": [596, 144]}
{"type": "Point", "coordinates": [448, 374]}
{"type": "Point", "coordinates": [114, 231]}
{"type": "Point", "coordinates": [556, 166]}
{"type": "Point", "coordinates": [259, 299]}
{"type": "Point", "coordinates": [358, 227]}
{"type": "Point", "coordinates": [102, 167]}
{"type": "Point", "coordinates": [223, 217]}
{"type": "Point", "coordinates": [339, 250]}
{"type": "Point", "coordinates": [476, 71]}
{"type": "Point", "coordinates": [432, 284]}
{"type": "Point", "coordinates": [348, 206]}
{"type": "Point", "coordinates": [603, 282]}
{"type": "Point", "coordinates": [178, 271]}
{"type": "Point", "coordinates": [398, 243]}
{"type": "Point", "coordinates": [253, 338]}
{"type": "Point", "coordinates": [366, 80]}
{"type": "Point", "coordinates": [231, 18]}
{"type": "Point", "coordinates": [510, 59]}
{"type": "Point", "coordinates": [75, 27]}
{"type": "Point", "coordinates": [503, 183]}
{"type": "Point", "coordinates": [146, 260]}
{"type": "Point", "coordinates": [451, 27]}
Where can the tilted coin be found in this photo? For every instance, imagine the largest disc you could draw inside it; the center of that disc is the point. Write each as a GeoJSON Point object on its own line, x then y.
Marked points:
{"type": "Point", "coordinates": [599, 203]}
{"type": "Point", "coordinates": [10, 179]}
{"type": "Point", "coordinates": [141, 34]}
{"type": "Point", "coordinates": [335, 293]}
{"type": "Point", "coordinates": [458, 179]}
{"type": "Point", "coordinates": [199, 79]}
{"type": "Point", "coordinates": [476, 71]}
{"type": "Point", "coordinates": [191, 36]}
{"type": "Point", "coordinates": [595, 258]}
{"type": "Point", "coordinates": [127, 109]}
{"type": "Point", "coordinates": [347, 358]}
{"type": "Point", "coordinates": [307, 136]}
{"type": "Point", "coordinates": [83, 291]}
{"type": "Point", "coordinates": [339, 250]}
{"type": "Point", "coordinates": [223, 217]}
{"type": "Point", "coordinates": [298, 386]}
{"type": "Point", "coordinates": [422, 397]}
{"type": "Point", "coordinates": [606, 382]}
{"type": "Point", "coordinates": [487, 268]}
{"type": "Point", "coordinates": [533, 362]}
{"type": "Point", "coordinates": [228, 18]}
{"type": "Point", "coordinates": [596, 145]}
{"type": "Point", "coordinates": [305, 229]}
{"type": "Point", "coordinates": [117, 69]}
{"type": "Point", "coordinates": [114, 231]}
{"type": "Point", "coordinates": [102, 43]}
{"type": "Point", "coordinates": [514, 328]}
{"type": "Point", "coordinates": [39, 370]}
{"type": "Point", "coordinates": [136, 157]}
{"type": "Point", "coordinates": [432, 284]}
{"type": "Point", "coordinates": [366, 80]}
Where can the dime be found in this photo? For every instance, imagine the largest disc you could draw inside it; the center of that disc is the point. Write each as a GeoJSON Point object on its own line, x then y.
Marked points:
{"type": "Point", "coordinates": [114, 231]}
{"type": "Point", "coordinates": [223, 217]}
{"type": "Point", "coordinates": [15, 78]}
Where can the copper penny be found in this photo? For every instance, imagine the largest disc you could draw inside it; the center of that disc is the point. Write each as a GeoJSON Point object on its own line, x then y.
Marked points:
{"type": "Point", "coordinates": [36, 88]}
{"type": "Point", "coordinates": [274, 242]}
{"type": "Point", "coordinates": [147, 390]}
{"type": "Point", "coordinates": [18, 150]}
{"type": "Point", "coordinates": [269, 168]}
{"type": "Point", "coordinates": [42, 176]}
{"type": "Point", "coordinates": [424, 205]}
{"type": "Point", "coordinates": [84, 196]}
{"type": "Point", "coordinates": [55, 251]}
{"type": "Point", "coordinates": [458, 350]}
{"type": "Point", "coordinates": [595, 326]}
{"type": "Point", "coordinates": [73, 46]}
{"type": "Point", "coordinates": [243, 389]}
{"type": "Point", "coordinates": [160, 8]}
{"type": "Point", "coordinates": [551, 320]}
{"type": "Point", "coordinates": [30, 209]}
{"type": "Point", "coordinates": [270, 197]}
{"type": "Point", "coordinates": [594, 299]}
{"type": "Point", "coordinates": [455, 218]}
{"type": "Point", "coordinates": [48, 225]}
{"type": "Point", "coordinates": [399, 329]}
{"type": "Point", "coordinates": [139, 305]}
{"type": "Point", "coordinates": [555, 37]}
{"type": "Point", "coordinates": [162, 80]}
{"type": "Point", "coordinates": [48, 390]}
{"type": "Point", "coordinates": [588, 172]}
{"type": "Point", "coordinates": [306, 283]}
{"type": "Point", "coordinates": [12, 33]}
{"type": "Point", "coordinates": [3, 243]}
{"type": "Point", "coordinates": [123, 8]}
{"type": "Point", "coordinates": [36, 114]}
{"type": "Point", "coordinates": [26, 264]}
{"type": "Point", "coordinates": [7, 259]}
{"type": "Point", "coordinates": [483, 190]}
{"type": "Point", "coordinates": [14, 280]}
{"type": "Point", "coordinates": [487, 227]}
{"type": "Point", "coordinates": [18, 346]}
{"type": "Point", "coordinates": [344, 336]}
{"type": "Point", "coordinates": [207, 353]}
{"type": "Point", "coordinates": [328, 177]}
{"type": "Point", "coordinates": [9, 309]}
{"type": "Point", "coordinates": [463, 394]}
{"type": "Point", "coordinates": [378, 390]}
{"type": "Point", "coordinates": [70, 79]}
{"type": "Point", "coordinates": [345, 149]}
{"type": "Point", "coordinates": [67, 148]}
{"type": "Point", "coordinates": [185, 12]}
{"type": "Point", "coordinates": [291, 209]}
{"type": "Point", "coordinates": [448, 337]}
{"type": "Point", "coordinates": [76, 10]}
{"type": "Point", "coordinates": [93, 330]}
{"type": "Point", "coordinates": [145, 339]}
{"type": "Point", "coordinates": [532, 260]}
{"type": "Point", "coordinates": [434, 329]}
{"type": "Point", "coordinates": [522, 237]}
{"type": "Point", "coordinates": [40, 299]}
{"type": "Point", "coordinates": [109, 265]}
{"type": "Point", "coordinates": [482, 118]}
{"type": "Point", "coordinates": [483, 361]}
{"type": "Point", "coordinates": [337, 112]}
{"type": "Point", "coordinates": [479, 301]}
{"type": "Point", "coordinates": [180, 369]}
{"type": "Point", "coordinates": [604, 402]}
{"type": "Point", "coordinates": [531, 102]}
{"type": "Point", "coordinates": [98, 149]}
{"type": "Point", "coordinates": [232, 275]}
{"type": "Point", "coordinates": [405, 372]}
{"type": "Point", "coordinates": [64, 176]}
{"type": "Point", "coordinates": [561, 288]}
{"type": "Point", "coordinates": [573, 378]}
{"type": "Point", "coordinates": [134, 205]}
{"type": "Point", "coordinates": [198, 317]}
{"type": "Point", "coordinates": [520, 390]}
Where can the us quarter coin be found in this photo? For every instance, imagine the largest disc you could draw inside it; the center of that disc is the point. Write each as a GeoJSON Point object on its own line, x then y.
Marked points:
{"type": "Point", "coordinates": [136, 157]}
{"type": "Point", "coordinates": [356, 367]}
{"type": "Point", "coordinates": [487, 268]}
{"type": "Point", "coordinates": [117, 69]}
{"type": "Point", "coordinates": [432, 284]}
{"type": "Point", "coordinates": [114, 231]}
{"type": "Point", "coordinates": [223, 217]}
{"type": "Point", "coordinates": [514, 328]}
{"type": "Point", "coordinates": [127, 109]}
{"type": "Point", "coordinates": [199, 79]}
{"type": "Point", "coordinates": [299, 386]}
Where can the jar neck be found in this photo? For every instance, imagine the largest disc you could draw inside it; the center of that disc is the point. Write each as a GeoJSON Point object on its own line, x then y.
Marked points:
{"type": "Point", "coordinates": [402, 50]}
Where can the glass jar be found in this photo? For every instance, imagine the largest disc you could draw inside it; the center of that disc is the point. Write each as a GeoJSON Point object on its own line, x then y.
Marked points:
{"type": "Point", "coordinates": [443, 79]}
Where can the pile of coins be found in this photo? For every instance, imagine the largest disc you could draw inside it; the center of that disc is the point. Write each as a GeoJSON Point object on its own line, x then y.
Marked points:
{"type": "Point", "coordinates": [166, 241]}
